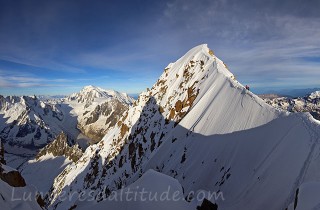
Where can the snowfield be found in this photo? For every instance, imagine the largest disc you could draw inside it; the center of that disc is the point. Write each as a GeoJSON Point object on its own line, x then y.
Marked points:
{"type": "Point", "coordinates": [152, 191]}
{"type": "Point", "coordinates": [41, 172]}
{"type": "Point", "coordinates": [17, 203]}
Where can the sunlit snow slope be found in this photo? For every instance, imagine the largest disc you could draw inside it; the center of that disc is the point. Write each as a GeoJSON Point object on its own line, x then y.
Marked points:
{"type": "Point", "coordinates": [202, 127]}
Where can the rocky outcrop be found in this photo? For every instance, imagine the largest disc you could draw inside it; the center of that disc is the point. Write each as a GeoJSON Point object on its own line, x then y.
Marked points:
{"type": "Point", "coordinates": [13, 178]}
{"type": "Point", "coordinates": [96, 122]}
{"type": "Point", "coordinates": [207, 205]}
{"type": "Point", "coordinates": [60, 147]}
{"type": "Point", "coordinates": [2, 160]}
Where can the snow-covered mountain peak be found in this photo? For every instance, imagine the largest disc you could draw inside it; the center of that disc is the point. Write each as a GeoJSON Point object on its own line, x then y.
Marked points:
{"type": "Point", "coordinates": [315, 94]}
{"type": "Point", "coordinates": [201, 53]}
{"type": "Point", "coordinates": [197, 94]}
{"type": "Point", "coordinates": [98, 109]}
{"type": "Point", "coordinates": [91, 93]}
{"type": "Point", "coordinates": [199, 76]}
{"type": "Point", "coordinates": [89, 87]}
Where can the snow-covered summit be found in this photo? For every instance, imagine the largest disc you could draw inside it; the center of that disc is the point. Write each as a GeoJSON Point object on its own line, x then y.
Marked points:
{"type": "Point", "coordinates": [200, 81]}
{"type": "Point", "coordinates": [315, 94]}
{"type": "Point", "coordinates": [195, 94]}
{"type": "Point", "coordinates": [204, 53]}
{"type": "Point", "coordinates": [98, 109]}
{"type": "Point", "coordinates": [90, 93]}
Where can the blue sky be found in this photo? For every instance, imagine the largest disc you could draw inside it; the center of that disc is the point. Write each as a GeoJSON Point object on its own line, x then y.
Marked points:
{"type": "Point", "coordinates": [57, 47]}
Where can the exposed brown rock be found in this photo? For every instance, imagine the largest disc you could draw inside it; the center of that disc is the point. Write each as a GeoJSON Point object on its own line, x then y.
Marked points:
{"type": "Point", "coordinates": [13, 178]}
{"type": "Point", "coordinates": [172, 113]}
{"type": "Point", "coordinates": [124, 130]}
{"type": "Point", "coordinates": [161, 110]}
{"type": "Point", "coordinates": [178, 106]}
{"type": "Point", "coordinates": [60, 147]}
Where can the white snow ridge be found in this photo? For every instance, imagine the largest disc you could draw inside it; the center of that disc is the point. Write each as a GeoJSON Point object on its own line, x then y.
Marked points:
{"type": "Point", "coordinates": [196, 132]}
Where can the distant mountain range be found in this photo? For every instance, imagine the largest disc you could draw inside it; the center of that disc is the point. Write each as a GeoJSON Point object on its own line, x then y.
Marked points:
{"type": "Point", "coordinates": [292, 93]}
{"type": "Point", "coordinates": [31, 122]}
{"type": "Point", "coordinates": [308, 103]}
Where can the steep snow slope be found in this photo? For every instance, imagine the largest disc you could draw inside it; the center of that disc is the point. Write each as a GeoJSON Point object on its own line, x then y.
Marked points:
{"type": "Point", "coordinates": [165, 191]}
{"type": "Point", "coordinates": [41, 172]}
{"type": "Point", "coordinates": [307, 197]}
{"type": "Point", "coordinates": [259, 168]}
{"type": "Point", "coordinates": [18, 204]}
{"type": "Point", "coordinates": [196, 94]}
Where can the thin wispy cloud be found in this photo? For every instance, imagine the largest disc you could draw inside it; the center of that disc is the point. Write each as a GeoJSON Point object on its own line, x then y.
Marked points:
{"type": "Point", "coordinates": [9, 80]}
{"type": "Point", "coordinates": [265, 43]}
{"type": "Point", "coordinates": [259, 42]}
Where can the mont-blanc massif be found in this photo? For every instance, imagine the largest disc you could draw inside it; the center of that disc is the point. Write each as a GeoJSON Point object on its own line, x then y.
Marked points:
{"type": "Point", "coordinates": [84, 123]}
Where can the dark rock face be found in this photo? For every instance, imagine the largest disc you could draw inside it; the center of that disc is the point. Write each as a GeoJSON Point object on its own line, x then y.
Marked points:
{"type": "Point", "coordinates": [316, 115]}
{"type": "Point", "coordinates": [13, 178]}
{"type": "Point", "coordinates": [40, 201]}
{"type": "Point", "coordinates": [25, 129]}
{"type": "Point", "coordinates": [207, 205]}
{"type": "Point", "coordinates": [2, 102]}
{"type": "Point", "coordinates": [37, 136]}
{"type": "Point", "coordinates": [2, 160]}
{"type": "Point", "coordinates": [93, 118]}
